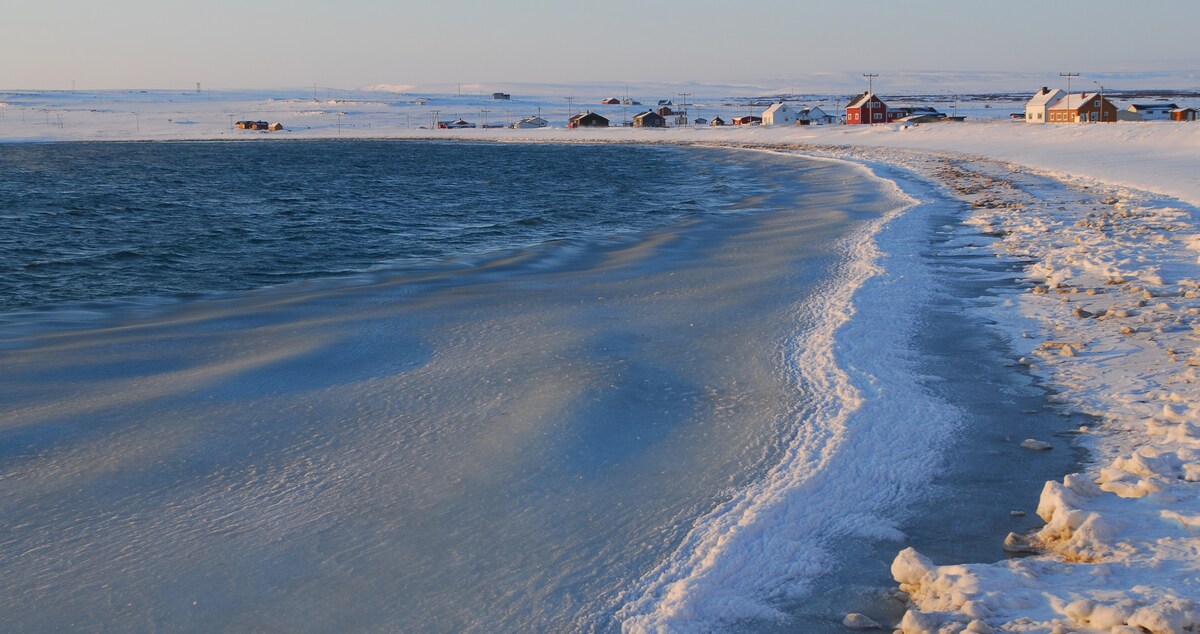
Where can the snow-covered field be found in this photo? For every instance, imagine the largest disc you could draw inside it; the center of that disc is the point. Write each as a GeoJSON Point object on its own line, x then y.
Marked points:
{"type": "Point", "coordinates": [1108, 217]}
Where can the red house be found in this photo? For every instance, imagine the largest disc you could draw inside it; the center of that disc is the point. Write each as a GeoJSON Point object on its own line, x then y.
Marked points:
{"type": "Point", "coordinates": [867, 108]}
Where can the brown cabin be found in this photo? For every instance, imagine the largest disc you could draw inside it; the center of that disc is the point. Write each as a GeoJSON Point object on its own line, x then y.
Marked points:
{"type": "Point", "coordinates": [649, 119]}
{"type": "Point", "coordinates": [587, 120]}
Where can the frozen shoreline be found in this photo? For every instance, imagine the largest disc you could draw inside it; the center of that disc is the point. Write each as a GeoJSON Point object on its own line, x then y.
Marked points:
{"type": "Point", "coordinates": [1110, 315]}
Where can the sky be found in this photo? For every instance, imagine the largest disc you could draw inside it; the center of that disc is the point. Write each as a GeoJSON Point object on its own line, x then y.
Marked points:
{"type": "Point", "coordinates": [166, 44]}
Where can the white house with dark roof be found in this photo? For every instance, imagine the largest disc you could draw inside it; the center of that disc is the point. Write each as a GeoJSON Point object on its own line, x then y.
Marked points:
{"type": "Point", "coordinates": [1153, 111]}
{"type": "Point", "coordinates": [1038, 106]}
{"type": "Point", "coordinates": [779, 114]}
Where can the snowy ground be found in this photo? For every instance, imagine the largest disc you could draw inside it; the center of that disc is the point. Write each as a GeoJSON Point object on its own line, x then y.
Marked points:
{"type": "Point", "coordinates": [1108, 217]}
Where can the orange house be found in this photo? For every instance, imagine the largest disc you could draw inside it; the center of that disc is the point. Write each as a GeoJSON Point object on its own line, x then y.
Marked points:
{"type": "Point", "coordinates": [1082, 108]}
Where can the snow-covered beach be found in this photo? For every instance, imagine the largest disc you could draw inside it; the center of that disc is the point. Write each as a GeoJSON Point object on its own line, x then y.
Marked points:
{"type": "Point", "coordinates": [1103, 218]}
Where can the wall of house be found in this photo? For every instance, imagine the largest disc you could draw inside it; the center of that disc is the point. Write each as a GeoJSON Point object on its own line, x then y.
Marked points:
{"type": "Point", "coordinates": [868, 115]}
{"type": "Point", "coordinates": [782, 117]}
{"type": "Point", "coordinates": [1156, 114]}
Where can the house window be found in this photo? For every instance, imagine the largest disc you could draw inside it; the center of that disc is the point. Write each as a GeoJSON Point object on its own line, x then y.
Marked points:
{"type": "Point", "coordinates": [878, 116]}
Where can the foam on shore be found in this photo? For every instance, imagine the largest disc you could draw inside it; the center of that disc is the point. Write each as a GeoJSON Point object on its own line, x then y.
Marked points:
{"type": "Point", "coordinates": [773, 538]}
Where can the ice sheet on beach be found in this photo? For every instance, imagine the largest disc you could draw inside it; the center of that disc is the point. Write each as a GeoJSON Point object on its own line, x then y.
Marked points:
{"type": "Point", "coordinates": [1113, 287]}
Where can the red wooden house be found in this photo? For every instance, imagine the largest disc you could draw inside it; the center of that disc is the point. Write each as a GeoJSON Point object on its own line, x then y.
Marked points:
{"type": "Point", "coordinates": [868, 108]}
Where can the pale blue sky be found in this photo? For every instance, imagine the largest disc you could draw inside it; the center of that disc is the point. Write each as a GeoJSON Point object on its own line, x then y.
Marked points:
{"type": "Point", "coordinates": [47, 44]}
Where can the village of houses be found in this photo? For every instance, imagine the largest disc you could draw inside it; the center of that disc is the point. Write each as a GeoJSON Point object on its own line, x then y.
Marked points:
{"type": "Point", "coordinates": [1045, 106]}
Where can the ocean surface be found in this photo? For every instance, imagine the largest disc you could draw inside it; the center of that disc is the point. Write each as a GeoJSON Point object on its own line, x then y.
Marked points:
{"type": "Point", "coordinates": [93, 221]}
{"type": "Point", "coordinates": [451, 387]}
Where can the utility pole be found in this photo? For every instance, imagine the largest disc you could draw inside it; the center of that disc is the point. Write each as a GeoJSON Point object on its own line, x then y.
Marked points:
{"type": "Point", "coordinates": [570, 109]}
{"type": "Point", "coordinates": [1068, 76]}
{"type": "Point", "coordinates": [871, 96]}
{"type": "Point", "coordinates": [1101, 100]}
{"type": "Point", "coordinates": [683, 98]}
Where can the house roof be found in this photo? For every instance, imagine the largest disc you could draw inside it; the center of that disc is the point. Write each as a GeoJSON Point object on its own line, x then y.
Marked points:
{"type": "Point", "coordinates": [776, 108]}
{"type": "Point", "coordinates": [1044, 98]}
{"type": "Point", "coordinates": [1077, 101]}
{"type": "Point", "coordinates": [1183, 110]}
{"type": "Point", "coordinates": [1152, 106]}
{"type": "Point", "coordinates": [648, 113]}
{"type": "Point", "coordinates": [858, 101]}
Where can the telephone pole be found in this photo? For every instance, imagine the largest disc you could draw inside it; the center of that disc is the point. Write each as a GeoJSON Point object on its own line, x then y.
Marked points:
{"type": "Point", "coordinates": [1068, 76]}
{"type": "Point", "coordinates": [871, 96]}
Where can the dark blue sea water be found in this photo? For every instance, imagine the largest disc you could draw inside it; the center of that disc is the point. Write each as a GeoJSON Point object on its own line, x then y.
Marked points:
{"type": "Point", "coordinates": [88, 221]}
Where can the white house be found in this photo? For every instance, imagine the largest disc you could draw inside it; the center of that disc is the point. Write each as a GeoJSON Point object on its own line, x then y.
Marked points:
{"type": "Point", "coordinates": [1153, 111]}
{"type": "Point", "coordinates": [1038, 106]}
{"type": "Point", "coordinates": [813, 116]}
{"type": "Point", "coordinates": [779, 114]}
{"type": "Point", "coordinates": [530, 122]}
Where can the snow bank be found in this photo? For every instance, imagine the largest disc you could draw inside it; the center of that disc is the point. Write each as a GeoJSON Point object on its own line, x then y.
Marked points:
{"type": "Point", "coordinates": [1113, 279]}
